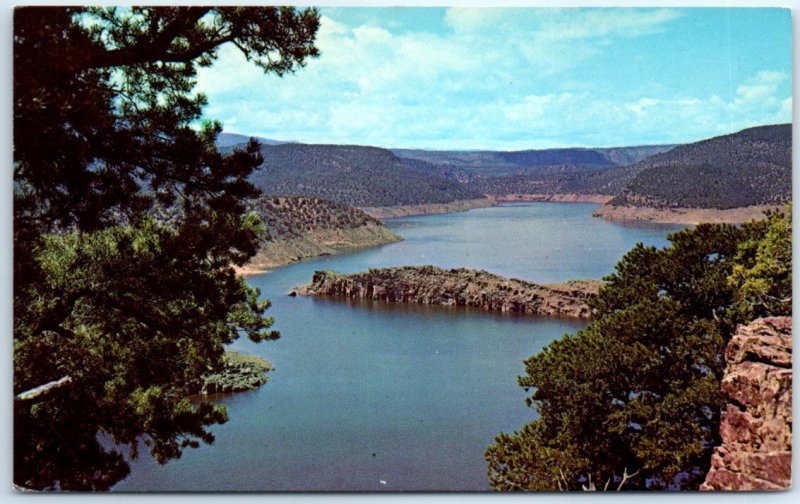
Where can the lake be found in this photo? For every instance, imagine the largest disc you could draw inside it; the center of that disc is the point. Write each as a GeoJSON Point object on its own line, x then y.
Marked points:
{"type": "Point", "coordinates": [390, 397]}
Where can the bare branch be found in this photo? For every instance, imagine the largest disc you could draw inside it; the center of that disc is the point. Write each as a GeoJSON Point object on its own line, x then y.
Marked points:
{"type": "Point", "coordinates": [42, 390]}
{"type": "Point", "coordinates": [625, 478]}
{"type": "Point", "coordinates": [564, 479]}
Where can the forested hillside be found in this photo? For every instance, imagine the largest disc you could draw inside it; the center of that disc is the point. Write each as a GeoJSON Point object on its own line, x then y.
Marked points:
{"type": "Point", "coordinates": [571, 180]}
{"type": "Point", "coordinates": [298, 228]}
{"type": "Point", "coordinates": [290, 217]}
{"type": "Point", "coordinates": [473, 166]}
{"type": "Point", "coordinates": [546, 171]}
{"type": "Point", "coordinates": [751, 167]}
{"type": "Point", "coordinates": [353, 175]}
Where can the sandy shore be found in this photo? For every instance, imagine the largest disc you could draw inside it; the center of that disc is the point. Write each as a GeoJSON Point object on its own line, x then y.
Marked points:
{"type": "Point", "coordinates": [429, 208]}
{"type": "Point", "coordinates": [314, 244]}
{"type": "Point", "coordinates": [688, 216]}
{"type": "Point", "coordinates": [559, 198]}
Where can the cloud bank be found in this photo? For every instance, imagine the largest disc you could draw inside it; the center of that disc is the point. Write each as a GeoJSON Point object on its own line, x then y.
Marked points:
{"type": "Point", "coordinates": [493, 78]}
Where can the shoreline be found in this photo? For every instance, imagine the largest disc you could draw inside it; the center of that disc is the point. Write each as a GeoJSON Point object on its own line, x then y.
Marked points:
{"type": "Point", "coordinates": [554, 198]}
{"type": "Point", "coordinates": [429, 208]}
{"type": "Point", "coordinates": [685, 216]}
{"type": "Point", "coordinates": [321, 243]}
{"type": "Point", "coordinates": [318, 243]}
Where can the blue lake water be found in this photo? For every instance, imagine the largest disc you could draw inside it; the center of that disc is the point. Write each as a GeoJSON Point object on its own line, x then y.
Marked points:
{"type": "Point", "coordinates": [389, 397]}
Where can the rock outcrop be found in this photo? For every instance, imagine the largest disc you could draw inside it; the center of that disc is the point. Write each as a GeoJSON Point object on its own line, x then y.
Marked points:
{"type": "Point", "coordinates": [756, 425]}
{"type": "Point", "coordinates": [463, 287]}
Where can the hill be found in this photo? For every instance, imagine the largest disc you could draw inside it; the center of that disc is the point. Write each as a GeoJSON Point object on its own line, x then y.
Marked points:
{"type": "Point", "coordinates": [472, 166]}
{"type": "Point", "coordinates": [571, 180]}
{"type": "Point", "coordinates": [298, 228]}
{"type": "Point", "coordinates": [353, 175]}
{"type": "Point", "coordinates": [751, 167]}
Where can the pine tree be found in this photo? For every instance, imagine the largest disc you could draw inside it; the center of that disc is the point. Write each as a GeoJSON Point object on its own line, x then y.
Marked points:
{"type": "Point", "coordinates": [127, 222]}
{"type": "Point", "coordinates": [634, 397]}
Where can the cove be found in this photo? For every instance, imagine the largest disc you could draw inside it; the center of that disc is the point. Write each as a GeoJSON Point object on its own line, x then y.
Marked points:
{"type": "Point", "coordinates": [390, 397]}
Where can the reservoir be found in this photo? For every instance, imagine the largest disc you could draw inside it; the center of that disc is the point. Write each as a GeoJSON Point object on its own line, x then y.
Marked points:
{"type": "Point", "coordinates": [391, 397]}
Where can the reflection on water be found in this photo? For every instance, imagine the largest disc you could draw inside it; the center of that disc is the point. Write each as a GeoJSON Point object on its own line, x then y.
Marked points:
{"type": "Point", "coordinates": [388, 397]}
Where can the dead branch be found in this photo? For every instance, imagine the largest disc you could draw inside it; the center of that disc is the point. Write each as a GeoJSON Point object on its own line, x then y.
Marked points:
{"type": "Point", "coordinates": [42, 390]}
{"type": "Point", "coordinates": [625, 478]}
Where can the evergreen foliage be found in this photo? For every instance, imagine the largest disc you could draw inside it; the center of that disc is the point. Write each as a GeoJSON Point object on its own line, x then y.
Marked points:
{"type": "Point", "coordinates": [637, 391]}
{"type": "Point", "coordinates": [127, 221]}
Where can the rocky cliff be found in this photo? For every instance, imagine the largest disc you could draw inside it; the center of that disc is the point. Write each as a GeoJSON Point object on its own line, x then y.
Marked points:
{"type": "Point", "coordinates": [463, 287]}
{"type": "Point", "coordinates": [756, 426]}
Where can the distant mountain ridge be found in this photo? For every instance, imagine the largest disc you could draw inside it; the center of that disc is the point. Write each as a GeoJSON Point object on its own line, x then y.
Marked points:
{"type": "Point", "coordinates": [750, 167]}
{"type": "Point", "coordinates": [470, 165]}
{"type": "Point", "coordinates": [226, 139]}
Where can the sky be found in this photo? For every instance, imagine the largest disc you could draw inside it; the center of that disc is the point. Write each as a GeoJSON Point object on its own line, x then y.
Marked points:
{"type": "Point", "coordinates": [511, 79]}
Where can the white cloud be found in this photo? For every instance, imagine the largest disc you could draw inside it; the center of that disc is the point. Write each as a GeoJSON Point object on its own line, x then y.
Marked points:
{"type": "Point", "coordinates": [499, 79]}
{"type": "Point", "coordinates": [786, 108]}
{"type": "Point", "coordinates": [559, 24]}
{"type": "Point", "coordinates": [594, 119]}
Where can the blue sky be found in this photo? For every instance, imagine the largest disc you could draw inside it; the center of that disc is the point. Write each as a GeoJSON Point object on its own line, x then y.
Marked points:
{"type": "Point", "coordinates": [517, 78]}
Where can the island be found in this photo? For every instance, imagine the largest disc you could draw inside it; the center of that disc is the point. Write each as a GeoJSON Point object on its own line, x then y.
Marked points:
{"type": "Point", "coordinates": [431, 285]}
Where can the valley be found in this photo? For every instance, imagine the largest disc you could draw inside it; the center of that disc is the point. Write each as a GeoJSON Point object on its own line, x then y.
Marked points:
{"type": "Point", "coordinates": [730, 178]}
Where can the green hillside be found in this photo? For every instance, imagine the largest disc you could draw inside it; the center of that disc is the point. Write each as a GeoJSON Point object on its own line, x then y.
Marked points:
{"type": "Point", "coordinates": [353, 175]}
{"type": "Point", "coordinates": [298, 228]}
{"type": "Point", "coordinates": [751, 167]}
{"type": "Point", "coordinates": [469, 166]}
{"type": "Point", "coordinates": [292, 217]}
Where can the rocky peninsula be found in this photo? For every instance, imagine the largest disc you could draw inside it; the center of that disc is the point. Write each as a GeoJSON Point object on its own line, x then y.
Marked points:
{"type": "Point", "coordinates": [686, 216]}
{"type": "Point", "coordinates": [299, 228]}
{"type": "Point", "coordinates": [460, 287]}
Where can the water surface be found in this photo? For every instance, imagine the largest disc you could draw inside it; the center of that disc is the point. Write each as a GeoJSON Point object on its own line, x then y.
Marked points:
{"type": "Point", "coordinates": [388, 397]}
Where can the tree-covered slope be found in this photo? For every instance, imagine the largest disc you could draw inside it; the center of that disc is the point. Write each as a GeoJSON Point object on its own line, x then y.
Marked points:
{"type": "Point", "coordinates": [476, 165]}
{"type": "Point", "coordinates": [546, 171]}
{"type": "Point", "coordinates": [298, 228]}
{"type": "Point", "coordinates": [353, 175]}
{"type": "Point", "coordinates": [751, 167]}
{"type": "Point", "coordinates": [570, 180]}
{"type": "Point", "coordinates": [291, 217]}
